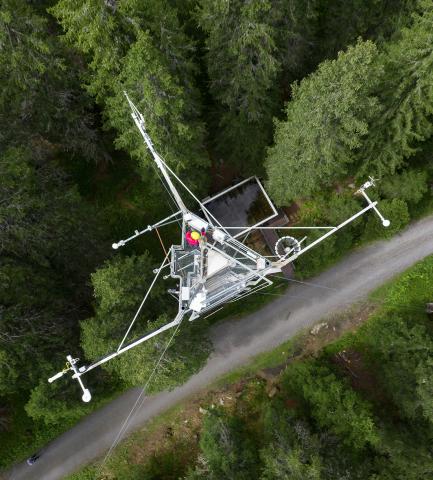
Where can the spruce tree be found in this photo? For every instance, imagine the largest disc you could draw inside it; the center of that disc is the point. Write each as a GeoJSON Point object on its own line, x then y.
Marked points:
{"type": "Point", "coordinates": [41, 103]}
{"type": "Point", "coordinates": [406, 91]}
{"type": "Point", "coordinates": [46, 229]}
{"type": "Point", "coordinates": [242, 65]}
{"type": "Point", "coordinates": [327, 119]}
{"type": "Point", "coordinates": [129, 48]}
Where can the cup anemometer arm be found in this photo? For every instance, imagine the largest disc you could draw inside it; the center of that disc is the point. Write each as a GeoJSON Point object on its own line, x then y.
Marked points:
{"type": "Point", "coordinates": [71, 364]}
{"type": "Point", "coordinates": [293, 255]}
{"type": "Point", "coordinates": [77, 373]}
{"type": "Point", "coordinates": [371, 183]}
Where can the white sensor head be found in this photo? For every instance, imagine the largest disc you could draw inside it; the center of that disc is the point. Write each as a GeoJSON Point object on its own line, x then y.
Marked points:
{"type": "Point", "coordinates": [386, 223]}
{"type": "Point", "coordinates": [86, 396]}
{"type": "Point", "coordinates": [115, 246]}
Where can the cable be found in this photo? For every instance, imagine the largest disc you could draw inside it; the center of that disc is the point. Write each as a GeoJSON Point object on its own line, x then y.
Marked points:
{"type": "Point", "coordinates": [169, 193]}
{"type": "Point", "coordinates": [131, 414]}
{"type": "Point", "coordinates": [370, 300]}
{"type": "Point", "coordinates": [161, 242]}
{"type": "Point", "coordinates": [307, 283]}
{"type": "Point", "coordinates": [206, 212]}
{"type": "Point", "coordinates": [155, 278]}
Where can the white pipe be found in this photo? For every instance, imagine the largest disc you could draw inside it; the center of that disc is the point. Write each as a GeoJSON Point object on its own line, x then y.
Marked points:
{"type": "Point", "coordinates": [175, 322]}
{"type": "Point", "coordinates": [278, 228]}
{"type": "Point", "coordinates": [385, 222]}
{"type": "Point", "coordinates": [155, 278]}
{"type": "Point", "coordinates": [137, 233]}
{"type": "Point", "coordinates": [323, 237]}
{"type": "Point", "coordinates": [56, 377]}
{"type": "Point", "coordinates": [139, 122]}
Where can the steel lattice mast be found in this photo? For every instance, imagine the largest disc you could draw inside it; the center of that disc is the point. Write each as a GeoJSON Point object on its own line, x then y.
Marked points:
{"type": "Point", "coordinates": [217, 269]}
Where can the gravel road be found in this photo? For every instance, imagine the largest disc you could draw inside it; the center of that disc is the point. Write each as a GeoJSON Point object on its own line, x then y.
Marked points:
{"type": "Point", "coordinates": [236, 341]}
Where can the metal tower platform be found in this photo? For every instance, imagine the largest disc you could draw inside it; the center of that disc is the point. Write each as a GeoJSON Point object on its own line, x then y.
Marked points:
{"type": "Point", "coordinates": [209, 263]}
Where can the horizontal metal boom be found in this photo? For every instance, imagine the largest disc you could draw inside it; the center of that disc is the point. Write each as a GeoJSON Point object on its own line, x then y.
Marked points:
{"type": "Point", "coordinates": [148, 336]}
{"type": "Point", "coordinates": [326, 235]}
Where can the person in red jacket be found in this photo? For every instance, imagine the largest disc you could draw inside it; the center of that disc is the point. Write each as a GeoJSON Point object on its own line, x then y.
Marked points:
{"type": "Point", "coordinates": [192, 237]}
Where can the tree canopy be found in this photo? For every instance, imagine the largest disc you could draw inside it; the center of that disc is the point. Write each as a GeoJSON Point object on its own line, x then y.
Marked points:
{"type": "Point", "coordinates": [326, 121]}
{"type": "Point", "coordinates": [333, 404]}
{"type": "Point", "coordinates": [406, 92]}
{"type": "Point", "coordinates": [119, 288]}
{"type": "Point", "coordinates": [140, 48]}
{"type": "Point", "coordinates": [344, 89]}
{"type": "Point", "coordinates": [43, 288]}
{"type": "Point", "coordinates": [242, 67]}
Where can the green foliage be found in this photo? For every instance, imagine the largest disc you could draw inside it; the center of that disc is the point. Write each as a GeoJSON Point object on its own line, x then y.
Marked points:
{"type": "Point", "coordinates": [283, 465]}
{"type": "Point", "coordinates": [41, 105]}
{"type": "Point", "coordinates": [402, 353]}
{"type": "Point", "coordinates": [167, 109]}
{"type": "Point", "coordinates": [424, 387]}
{"type": "Point", "coordinates": [119, 288]}
{"type": "Point", "coordinates": [343, 21]}
{"type": "Point", "coordinates": [292, 451]}
{"type": "Point", "coordinates": [399, 342]}
{"type": "Point", "coordinates": [413, 288]}
{"type": "Point", "coordinates": [394, 210]}
{"type": "Point", "coordinates": [326, 121]}
{"type": "Point", "coordinates": [296, 23]}
{"type": "Point", "coordinates": [98, 31]}
{"type": "Point", "coordinates": [130, 48]}
{"type": "Point", "coordinates": [227, 449]}
{"type": "Point", "coordinates": [366, 109]}
{"type": "Point", "coordinates": [56, 403]}
{"type": "Point", "coordinates": [43, 285]}
{"type": "Point", "coordinates": [406, 91]}
{"type": "Point", "coordinates": [410, 186]}
{"type": "Point", "coordinates": [405, 457]}
{"type": "Point", "coordinates": [333, 404]}
{"type": "Point", "coordinates": [242, 67]}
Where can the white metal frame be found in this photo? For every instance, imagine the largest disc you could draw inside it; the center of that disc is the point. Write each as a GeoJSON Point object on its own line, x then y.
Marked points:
{"type": "Point", "coordinates": [233, 187]}
{"type": "Point", "coordinates": [253, 277]}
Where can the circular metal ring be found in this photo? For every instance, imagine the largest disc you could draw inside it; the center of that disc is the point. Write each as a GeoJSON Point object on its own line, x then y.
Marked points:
{"type": "Point", "coordinates": [286, 246]}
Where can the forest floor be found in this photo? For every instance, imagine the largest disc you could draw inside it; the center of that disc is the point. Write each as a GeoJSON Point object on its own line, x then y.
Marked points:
{"type": "Point", "coordinates": [237, 342]}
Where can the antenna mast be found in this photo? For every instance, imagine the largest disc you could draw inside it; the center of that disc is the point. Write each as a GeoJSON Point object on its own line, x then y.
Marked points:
{"type": "Point", "coordinates": [141, 125]}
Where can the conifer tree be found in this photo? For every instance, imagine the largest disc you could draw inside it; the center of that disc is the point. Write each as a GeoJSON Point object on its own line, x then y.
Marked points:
{"type": "Point", "coordinates": [46, 228]}
{"type": "Point", "coordinates": [341, 22]}
{"type": "Point", "coordinates": [403, 355]}
{"type": "Point", "coordinates": [406, 91]}
{"type": "Point", "coordinates": [130, 48]}
{"type": "Point", "coordinates": [119, 287]}
{"type": "Point", "coordinates": [242, 66]}
{"type": "Point", "coordinates": [41, 103]}
{"type": "Point", "coordinates": [228, 449]}
{"type": "Point", "coordinates": [334, 405]}
{"type": "Point", "coordinates": [327, 119]}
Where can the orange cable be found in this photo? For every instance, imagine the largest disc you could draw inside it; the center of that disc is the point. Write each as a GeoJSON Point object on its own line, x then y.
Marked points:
{"type": "Point", "coordinates": [162, 244]}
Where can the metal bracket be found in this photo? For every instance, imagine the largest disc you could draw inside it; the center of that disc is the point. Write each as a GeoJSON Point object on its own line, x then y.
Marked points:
{"type": "Point", "coordinates": [368, 184]}
{"type": "Point", "coordinates": [71, 365]}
